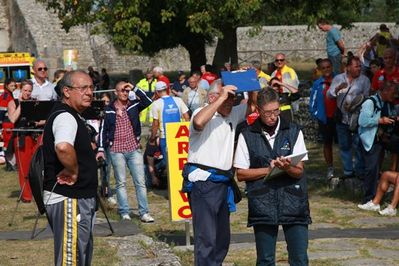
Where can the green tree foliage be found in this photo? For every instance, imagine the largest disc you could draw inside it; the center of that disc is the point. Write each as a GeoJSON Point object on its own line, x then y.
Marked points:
{"type": "Point", "coordinates": [381, 11]}
{"type": "Point", "coordinates": [150, 25]}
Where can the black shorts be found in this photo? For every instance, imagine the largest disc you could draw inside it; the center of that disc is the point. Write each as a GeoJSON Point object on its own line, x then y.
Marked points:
{"type": "Point", "coordinates": [328, 131]}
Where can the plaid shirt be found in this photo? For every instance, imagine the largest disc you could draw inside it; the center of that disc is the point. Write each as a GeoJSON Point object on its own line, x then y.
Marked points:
{"type": "Point", "coordinates": [124, 138]}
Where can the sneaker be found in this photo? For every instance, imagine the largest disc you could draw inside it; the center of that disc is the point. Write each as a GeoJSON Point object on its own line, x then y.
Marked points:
{"type": "Point", "coordinates": [112, 201]}
{"type": "Point", "coordinates": [369, 206]}
{"type": "Point", "coordinates": [388, 211]}
{"type": "Point", "coordinates": [126, 217]}
{"type": "Point", "coordinates": [147, 218]}
{"type": "Point", "coordinates": [330, 172]}
{"type": "Point", "coordinates": [334, 182]}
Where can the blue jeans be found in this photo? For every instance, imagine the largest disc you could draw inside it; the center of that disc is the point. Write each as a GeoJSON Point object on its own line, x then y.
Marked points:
{"type": "Point", "coordinates": [134, 161]}
{"type": "Point", "coordinates": [349, 141]}
{"type": "Point", "coordinates": [336, 62]}
{"type": "Point", "coordinates": [296, 237]}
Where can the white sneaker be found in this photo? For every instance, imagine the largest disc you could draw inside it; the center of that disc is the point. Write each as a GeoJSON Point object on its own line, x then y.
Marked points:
{"type": "Point", "coordinates": [147, 218]}
{"type": "Point", "coordinates": [330, 172]}
{"type": "Point", "coordinates": [369, 206]}
{"type": "Point", "coordinates": [334, 182]}
{"type": "Point", "coordinates": [126, 217]}
{"type": "Point", "coordinates": [388, 211]}
{"type": "Point", "coordinates": [112, 201]}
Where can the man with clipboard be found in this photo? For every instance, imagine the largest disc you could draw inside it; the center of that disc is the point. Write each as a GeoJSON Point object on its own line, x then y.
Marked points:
{"type": "Point", "coordinates": [271, 144]}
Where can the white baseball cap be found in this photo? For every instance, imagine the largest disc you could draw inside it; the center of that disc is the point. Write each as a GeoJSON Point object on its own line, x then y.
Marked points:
{"type": "Point", "coordinates": [160, 86]}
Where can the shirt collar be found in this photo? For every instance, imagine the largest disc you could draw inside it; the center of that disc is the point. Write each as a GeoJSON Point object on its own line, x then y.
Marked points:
{"type": "Point", "coordinates": [46, 82]}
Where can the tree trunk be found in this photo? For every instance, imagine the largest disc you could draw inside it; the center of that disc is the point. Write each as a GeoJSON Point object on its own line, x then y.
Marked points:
{"type": "Point", "coordinates": [226, 49]}
{"type": "Point", "coordinates": [195, 45]}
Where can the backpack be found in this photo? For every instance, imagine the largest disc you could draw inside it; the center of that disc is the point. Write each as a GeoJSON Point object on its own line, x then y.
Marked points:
{"type": "Point", "coordinates": [36, 177]}
{"type": "Point", "coordinates": [354, 109]}
{"type": "Point", "coordinates": [36, 174]}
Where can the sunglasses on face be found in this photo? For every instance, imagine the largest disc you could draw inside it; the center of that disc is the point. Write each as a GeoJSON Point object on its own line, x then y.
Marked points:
{"type": "Point", "coordinates": [42, 69]}
{"type": "Point", "coordinates": [279, 60]}
{"type": "Point", "coordinates": [124, 90]}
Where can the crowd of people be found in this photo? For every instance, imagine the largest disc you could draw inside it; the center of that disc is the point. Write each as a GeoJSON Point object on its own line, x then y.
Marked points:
{"type": "Point", "coordinates": [354, 98]}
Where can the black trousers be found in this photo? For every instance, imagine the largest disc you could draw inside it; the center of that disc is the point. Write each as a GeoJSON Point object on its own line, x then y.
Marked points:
{"type": "Point", "coordinates": [372, 170]}
{"type": "Point", "coordinates": [211, 222]}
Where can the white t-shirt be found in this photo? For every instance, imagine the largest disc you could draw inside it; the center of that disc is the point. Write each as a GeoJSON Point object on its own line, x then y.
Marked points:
{"type": "Point", "coordinates": [241, 159]}
{"type": "Point", "coordinates": [44, 92]}
{"type": "Point", "coordinates": [157, 110]}
{"type": "Point", "coordinates": [214, 145]}
{"type": "Point", "coordinates": [64, 129]}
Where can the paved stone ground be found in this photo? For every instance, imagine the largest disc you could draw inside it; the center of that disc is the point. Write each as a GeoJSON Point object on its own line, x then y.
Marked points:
{"type": "Point", "coordinates": [327, 246]}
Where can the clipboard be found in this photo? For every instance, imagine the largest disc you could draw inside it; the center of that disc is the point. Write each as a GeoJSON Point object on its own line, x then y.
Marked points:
{"type": "Point", "coordinates": [295, 159]}
{"type": "Point", "coordinates": [244, 80]}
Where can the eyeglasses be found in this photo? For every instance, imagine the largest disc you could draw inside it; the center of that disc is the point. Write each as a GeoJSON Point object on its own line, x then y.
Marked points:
{"type": "Point", "coordinates": [279, 60]}
{"type": "Point", "coordinates": [42, 69]}
{"type": "Point", "coordinates": [275, 112]}
{"type": "Point", "coordinates": [83, 89]}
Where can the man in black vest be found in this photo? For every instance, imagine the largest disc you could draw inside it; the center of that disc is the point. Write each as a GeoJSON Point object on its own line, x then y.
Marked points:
{"type": "Point", "coordinates": [281, 200]}
{"type": "Point", "coordinates": [70, 173]}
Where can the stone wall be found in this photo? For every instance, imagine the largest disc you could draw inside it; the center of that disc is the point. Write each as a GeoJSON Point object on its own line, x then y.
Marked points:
{"type": "Point", "coordinates": [4, 27]}
{"type": "Point", "coordinates": [38, 31]}
{"type": "Point", "coordinates": [301, 42]}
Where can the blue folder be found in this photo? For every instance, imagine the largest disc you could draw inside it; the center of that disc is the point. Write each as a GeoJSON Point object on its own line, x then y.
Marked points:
{"type": "Point", "coordinates": [244, 80]}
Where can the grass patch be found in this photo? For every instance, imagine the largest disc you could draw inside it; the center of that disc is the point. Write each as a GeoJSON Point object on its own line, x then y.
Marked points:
{"type": "Point", "coordinates": [186, 256]}
{"type": "Point", "coordinates": [328, 262]}
{"type": "Point", "coordinates": [18, 252]}
{"type": "Point", "coordinates": [364, 253]}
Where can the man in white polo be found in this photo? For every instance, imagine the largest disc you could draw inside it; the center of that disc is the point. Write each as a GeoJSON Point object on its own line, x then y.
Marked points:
{"type": "Point", "coordinates": [43, 90]}
{"type": "Point", "coordinates": [209, 171]}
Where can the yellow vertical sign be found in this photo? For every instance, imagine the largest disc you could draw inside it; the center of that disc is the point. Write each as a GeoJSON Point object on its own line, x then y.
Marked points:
{"type": "Point", "coordinates": [177, 139]}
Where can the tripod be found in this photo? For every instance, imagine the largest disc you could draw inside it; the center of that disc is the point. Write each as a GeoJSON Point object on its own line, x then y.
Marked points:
{"type": "Point", "coordinates": [18, 201]}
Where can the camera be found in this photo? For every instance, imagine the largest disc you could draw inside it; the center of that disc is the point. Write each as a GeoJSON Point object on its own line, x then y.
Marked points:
{"type": "Point", "coordinates": [101, 162]}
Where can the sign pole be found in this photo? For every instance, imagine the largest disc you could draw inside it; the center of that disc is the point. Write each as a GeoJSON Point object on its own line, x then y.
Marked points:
{"type": "Point", "coordinates": [187, 226]}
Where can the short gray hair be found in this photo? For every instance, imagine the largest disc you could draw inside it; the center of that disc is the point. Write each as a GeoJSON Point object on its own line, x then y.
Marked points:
{"type": "Point", "coordinates": [267, 96]}
{"type": "Point", "coordinates": [66, 81]}
{"type": "Point", "coordinates": [214, 87]}
{"type": "Point", "coordinates": [158, 69]}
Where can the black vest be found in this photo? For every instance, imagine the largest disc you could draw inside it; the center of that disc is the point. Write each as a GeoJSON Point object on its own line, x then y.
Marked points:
{"type": "Point", "coordinates": [86, 185]}
{"type": "Point", "coordinates": [284, 199]}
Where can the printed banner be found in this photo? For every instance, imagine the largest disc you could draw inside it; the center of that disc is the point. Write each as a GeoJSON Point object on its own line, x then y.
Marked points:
{"type": "Point", "coordinates": [177, 135]}
{"type": "Point", "coordinates": [71, 59]}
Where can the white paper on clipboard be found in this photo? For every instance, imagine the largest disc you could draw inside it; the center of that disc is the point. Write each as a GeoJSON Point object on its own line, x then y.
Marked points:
{"type": "Point", "coordinates": [295, 159]}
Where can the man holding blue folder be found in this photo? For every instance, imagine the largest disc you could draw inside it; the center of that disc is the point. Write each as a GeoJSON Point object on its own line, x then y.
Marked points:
{"type": "Point", "coordinates": [208, 172]}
